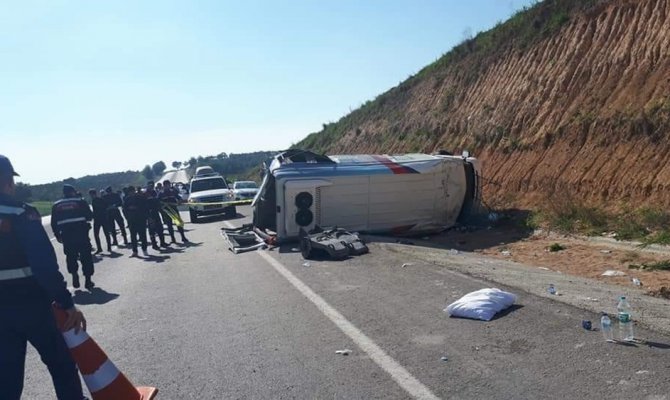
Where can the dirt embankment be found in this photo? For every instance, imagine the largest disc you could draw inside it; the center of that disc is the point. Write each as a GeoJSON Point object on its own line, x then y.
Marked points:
{"type": "Point", "coordinates": [584, 110]}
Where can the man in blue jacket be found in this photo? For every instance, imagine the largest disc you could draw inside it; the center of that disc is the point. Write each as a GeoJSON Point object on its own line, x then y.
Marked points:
{"type": "Point", "coordinates": [29, 283]}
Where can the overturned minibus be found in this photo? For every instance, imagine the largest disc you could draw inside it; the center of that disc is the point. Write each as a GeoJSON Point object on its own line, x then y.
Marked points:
{"type": "Point", "coordinates": [390, 194]}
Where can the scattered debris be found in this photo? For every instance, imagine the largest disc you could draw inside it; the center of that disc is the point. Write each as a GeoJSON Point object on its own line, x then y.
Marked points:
{"type": "Point", "coordinates": [494, 217]}
{"type": "Point", "coordinates": [636, 282]}
{"type": "Point", "coordinates": [344, 352]}
{"type": "Point", "coordinates": [506, 253]}
{"type": "Point", "coordinates": [444, 358]}
{"type": "Point", "coordinates": [337, 243]}
{"type": "Point", "coordinates": [586, 324]}
{"type": "Point", "coordinates": [544, 268]}
{"type": "Point", "coordinates": [580, 345]}
{"type": "Point", "coordinates": [453, 252]}
{"type": "Point", "coordinates": [406, 265]}
{"type": "Point", "coordinates": [556, 247]}
{"type": "Point", "coordinates": [643, 371]}
{"type": "Point", "coordinates": [606, 251]}
{"type": "Point", "coordinates": [591, 299]}
{"type": "Point", "coordinates": [611, 272]}
{"type": "Point", "coordinates": [403, 241]}
{"type": "Point", "coordinates": [306, 264]}
{"type": "Point", "coordinates": [242, 239]}
{"type": "Point", "coordinates": [551, 289]}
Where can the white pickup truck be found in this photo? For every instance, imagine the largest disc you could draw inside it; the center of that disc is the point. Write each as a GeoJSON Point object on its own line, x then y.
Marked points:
{"type": "Point", "coordinates": [210, 188]}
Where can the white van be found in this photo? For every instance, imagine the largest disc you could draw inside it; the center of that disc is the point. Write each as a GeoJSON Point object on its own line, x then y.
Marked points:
{"type": "Point", "coordinates": [400, 194]}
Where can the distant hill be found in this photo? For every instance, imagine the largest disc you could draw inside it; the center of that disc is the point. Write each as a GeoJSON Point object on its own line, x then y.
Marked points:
{"type": "Point", "coordinates": [567, 97]}
{"type": "Point", "coordinates": [54, 190]}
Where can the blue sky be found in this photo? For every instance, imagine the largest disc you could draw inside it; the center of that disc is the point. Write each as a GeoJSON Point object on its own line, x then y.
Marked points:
{"type": "Point", "coordinates": [96, 86]}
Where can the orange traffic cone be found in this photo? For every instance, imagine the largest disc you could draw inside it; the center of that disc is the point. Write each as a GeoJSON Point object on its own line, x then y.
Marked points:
{"type": "Point", "coordinates": [103, 379]}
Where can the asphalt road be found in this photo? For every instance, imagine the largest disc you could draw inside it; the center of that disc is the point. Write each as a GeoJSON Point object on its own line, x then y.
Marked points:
{"type": "Point", "coordinates": [199, 322]}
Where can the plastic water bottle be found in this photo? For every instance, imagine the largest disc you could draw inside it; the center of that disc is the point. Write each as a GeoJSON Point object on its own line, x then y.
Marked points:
{"type": "Point", "coordinates": [625, 320]}
{"type": "Point", "coordinates": [606, 327]}
{"type": "Point", "coordinates": [551, 289]}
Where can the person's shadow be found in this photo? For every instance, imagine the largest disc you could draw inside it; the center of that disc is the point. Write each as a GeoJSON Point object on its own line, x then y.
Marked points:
{"type": "Point", "coordinates": [190, 244]}
{"type": "Point", "coordinates": [93, 296]}
{"type": "Point", "coordinates": [171, 250]}
{"type": "Point", "coordinates": [156, 258]}
{"type": "Point", "coordinates": [112, 254]}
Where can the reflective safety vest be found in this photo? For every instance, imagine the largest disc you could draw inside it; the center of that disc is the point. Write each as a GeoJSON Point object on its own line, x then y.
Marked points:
{"type": "Point", "coordinates": [12, 256]}
{"type": "Point", "coordinates": [16, 282]}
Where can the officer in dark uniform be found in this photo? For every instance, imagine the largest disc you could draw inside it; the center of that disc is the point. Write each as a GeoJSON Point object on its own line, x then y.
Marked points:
{"type": "Point", "coordinates": [29, 283]}
{"type": "Point", "coordinates": [114, 201]}
{"type": "Point", "coordinates": [136, 211]}
{"type": "Point", "coordinates": [170, 197]}
{"type": "Point", "coordinates": [100, 221]}
{"type": "Point", "coordinates": [155, 221]}
{"type": "Point", "coordinates": [69, 221]}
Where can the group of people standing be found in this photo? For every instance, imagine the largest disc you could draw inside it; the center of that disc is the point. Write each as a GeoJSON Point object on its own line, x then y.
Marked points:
{"type": "Point", "coordinates": [30, 280]}
{"type": "Point", "coordinates": [144, 209]}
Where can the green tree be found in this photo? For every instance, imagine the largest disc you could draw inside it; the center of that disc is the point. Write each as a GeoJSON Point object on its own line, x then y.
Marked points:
{"type": "Point", "coordinates": [192, 162]}
{"type": "Point", "coordinates": [23, 192]}
{"type": "Point", "coordinates": [176, 164]}
{"type": "Point", "coordinates": [148, 173]}
{"type": "Point", "coordinates": [158, 168]}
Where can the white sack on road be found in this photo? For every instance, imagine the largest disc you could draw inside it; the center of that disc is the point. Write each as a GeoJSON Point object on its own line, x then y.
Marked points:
{"type": "Point", "coordinates": [482, 304]}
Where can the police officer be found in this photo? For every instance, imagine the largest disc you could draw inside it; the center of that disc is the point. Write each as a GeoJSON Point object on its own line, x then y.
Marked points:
{"type": "Point", "coordinates": [155, 221]}
{"type": "Point", "coordinates": [136, 211]}
{"type": "Point", "coordinates": [69, 221]}
{"type": "Point", "coordinates": [29, 282]}
{"type": "Point", "coordinates": [114, 217]}
{"type": "Point", "coordinates": [100, 221]}
{"type": "Point", "coordinates": [170, 196]}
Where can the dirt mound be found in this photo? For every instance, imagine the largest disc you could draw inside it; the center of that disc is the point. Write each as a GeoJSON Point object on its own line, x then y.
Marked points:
{"type": "Point", "coordinates": [565, 97]}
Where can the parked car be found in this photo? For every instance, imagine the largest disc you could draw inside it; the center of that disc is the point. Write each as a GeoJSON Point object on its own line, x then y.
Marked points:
{"type": "Point", "coordinates": [210, 188]}
{"type": "Point", "coordinates": [245, 190]}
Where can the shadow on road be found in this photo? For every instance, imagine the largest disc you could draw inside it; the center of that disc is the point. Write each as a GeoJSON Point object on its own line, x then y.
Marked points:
{"type": "Point", "coordinates": [171, 250]}
{"type": "Point", "coordinates": [217, 218]}
{"type": "Point", "coordinates": [155, 258]}
{"type": "Point", "coordinates": [94, 296]}
{"type": "Point", "coordinates": [189, 244]}
{"type": "Point", "coordinates": [507, 311]}
{"type": "Point", "coordinates": [657, 345]}
{"type": "Point", "coordinates": [478, 236]}
{"type": "Point", "coordinates": [113, 254]}
{"type": "Point", "coordinates": [289, 248]}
